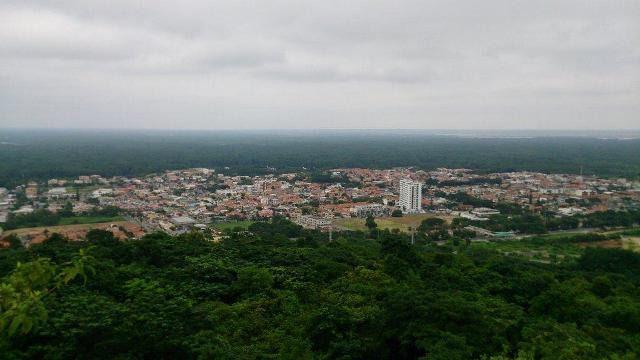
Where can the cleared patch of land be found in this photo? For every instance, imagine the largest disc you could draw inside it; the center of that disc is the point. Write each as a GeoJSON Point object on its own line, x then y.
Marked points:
{"type": "Point", "coordinates": [631, 243]}
{"type": "Point", "coordinates": [34, 235]}
{"type": "Point", "coordinates": [401, 223]}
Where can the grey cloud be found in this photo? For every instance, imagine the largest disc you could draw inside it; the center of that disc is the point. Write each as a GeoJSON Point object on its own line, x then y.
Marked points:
{"type": "Point", "coordinates": [246, 58]}
{"type": "Point", "coordinates": [409, 63]}
{"type": "Point", "coordinates": [333, 74]}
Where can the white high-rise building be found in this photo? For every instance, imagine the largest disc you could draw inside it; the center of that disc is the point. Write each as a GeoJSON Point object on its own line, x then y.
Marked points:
{"type": "Point", "coordinates": [410, 196]}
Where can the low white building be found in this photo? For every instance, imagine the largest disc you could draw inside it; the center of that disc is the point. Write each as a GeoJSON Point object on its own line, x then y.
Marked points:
{"type": "Point", "coordinates": [57, 193]}
{"type": "Point", "coordinates": [312, 222]}
{"type": "Point", "coordinates": [101, 192]}
{"type": "Point", "coordinates": [484, 212]}
{"type": "Point", "coordinates": [470, 216]}
{"type": "Point", "coordinates": [570, 211]}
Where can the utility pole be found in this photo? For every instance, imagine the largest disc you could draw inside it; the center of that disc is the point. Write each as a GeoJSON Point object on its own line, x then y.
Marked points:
{"type": "Point", "coordinates": [413, 239]}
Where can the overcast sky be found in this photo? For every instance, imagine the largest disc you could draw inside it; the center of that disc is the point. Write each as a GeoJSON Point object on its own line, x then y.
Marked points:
{"type": "Point", "coordinates": [320, 64]}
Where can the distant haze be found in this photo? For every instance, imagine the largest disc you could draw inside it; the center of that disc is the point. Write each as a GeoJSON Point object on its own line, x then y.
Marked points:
{"type": "Point", "coordinates": [493, 64]}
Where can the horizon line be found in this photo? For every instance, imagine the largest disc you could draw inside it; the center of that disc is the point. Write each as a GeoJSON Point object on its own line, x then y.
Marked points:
{"type": "Point", "coordinates": [317, 129]}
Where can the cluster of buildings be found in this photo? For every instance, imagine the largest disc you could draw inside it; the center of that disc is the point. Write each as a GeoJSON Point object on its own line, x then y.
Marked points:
{"type": "Point", "coordinates": [179, 200]}
{"type": "Point", "coordinates": [53, 195]}
{"type": "Point", "coordinates": [560, 194]}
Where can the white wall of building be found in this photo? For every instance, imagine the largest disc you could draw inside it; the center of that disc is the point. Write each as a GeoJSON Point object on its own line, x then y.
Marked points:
{"type": "Point", "coordinates": [410, 196]}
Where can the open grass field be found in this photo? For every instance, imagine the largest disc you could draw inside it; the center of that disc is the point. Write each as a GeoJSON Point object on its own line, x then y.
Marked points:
{"type": "Point", "coordinates": [401, 223]}
{"type": "Point", "coordinates": [227, 225]}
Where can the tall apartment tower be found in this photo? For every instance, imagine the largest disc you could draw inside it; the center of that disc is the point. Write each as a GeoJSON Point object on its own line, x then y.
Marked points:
{"type": "Point", "coordinates": [410, 196]}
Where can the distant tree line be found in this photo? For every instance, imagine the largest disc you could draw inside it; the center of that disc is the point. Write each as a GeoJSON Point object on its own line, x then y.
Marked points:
{"type": "Point", "coordinates": [42, 155]}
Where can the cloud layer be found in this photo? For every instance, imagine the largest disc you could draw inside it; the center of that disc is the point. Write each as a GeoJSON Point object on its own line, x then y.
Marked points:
{"type": "Point", "coordinates": [328, 64]}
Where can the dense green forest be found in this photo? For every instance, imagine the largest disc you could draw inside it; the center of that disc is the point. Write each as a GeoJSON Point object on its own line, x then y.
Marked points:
{"type": "Point", "coordinates": [279, 291]}
{"type": "Point", "coordinates": [33, 154]}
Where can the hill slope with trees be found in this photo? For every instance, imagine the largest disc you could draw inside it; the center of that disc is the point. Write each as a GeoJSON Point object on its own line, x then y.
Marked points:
{"type": "Point", "coordinates": [279, 291]}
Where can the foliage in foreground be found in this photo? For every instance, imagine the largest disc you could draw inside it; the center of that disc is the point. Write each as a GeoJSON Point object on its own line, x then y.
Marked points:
{"type": "Point", "coordinates": [283, 292]}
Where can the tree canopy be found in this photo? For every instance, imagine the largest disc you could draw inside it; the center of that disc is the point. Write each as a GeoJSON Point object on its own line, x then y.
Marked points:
{"type": "Point", "coordinates": [280, 291]}
{"type": "Point", "coordinates": [41, 155]}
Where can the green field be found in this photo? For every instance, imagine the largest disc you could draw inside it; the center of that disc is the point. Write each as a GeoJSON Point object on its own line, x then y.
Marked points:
{"type": "Point", "coordinates": [89, 219]}
{"type": "Point", "coordinates": [228, 225]}
{"type": "Point", "coordinates": [401, 223]}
